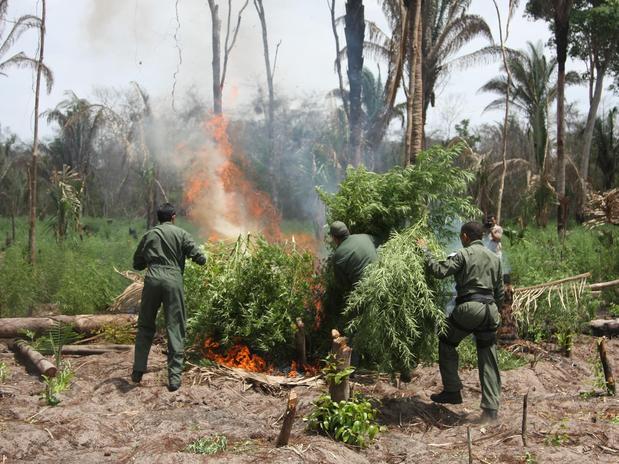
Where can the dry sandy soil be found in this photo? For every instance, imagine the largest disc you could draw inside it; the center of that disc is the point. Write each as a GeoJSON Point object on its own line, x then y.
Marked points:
{"type": "Point", "coordinates": [104, 418]}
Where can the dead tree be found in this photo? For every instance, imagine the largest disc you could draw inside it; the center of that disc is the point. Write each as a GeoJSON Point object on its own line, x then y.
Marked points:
{"type": "Point", "coordinates": [219, 73]}
{"type": "Point", "coordinates": [32, 193]}
{"type": "Point", "coordinates": [511, 7]}
{"type": "Point", "coordinates": [270, 71]}
{"type": "Point", "coordinates": [355, 36]}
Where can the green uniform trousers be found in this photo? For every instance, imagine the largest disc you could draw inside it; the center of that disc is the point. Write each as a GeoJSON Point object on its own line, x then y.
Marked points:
{"type": "Point", "coordinates": [467, 318]}
{"type": "Point", "coordinates": [164, 287]}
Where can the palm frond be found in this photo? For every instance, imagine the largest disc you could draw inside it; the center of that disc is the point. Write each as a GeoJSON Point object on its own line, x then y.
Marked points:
{"type": "Point", "coordinates": [20, 60]}
{"type": "Point", "coordinates": [21, 25]}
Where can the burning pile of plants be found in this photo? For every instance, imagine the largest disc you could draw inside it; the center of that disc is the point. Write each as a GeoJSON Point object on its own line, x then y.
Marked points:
{"type": "Point", "coordinates": [247, 298]}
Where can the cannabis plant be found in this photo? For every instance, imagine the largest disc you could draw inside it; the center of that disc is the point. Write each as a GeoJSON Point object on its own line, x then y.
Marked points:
{"type": "Point", "coordinates": [379, 204]}
{"type": "Point", "coordinates": [251, 292]}
{"type": "Point", "coordinates": [396, 310]}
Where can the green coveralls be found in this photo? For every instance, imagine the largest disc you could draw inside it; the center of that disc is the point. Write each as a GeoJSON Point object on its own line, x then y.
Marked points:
{"type": "Point", "coordinates": [477, 272]}
{"type": "Point", "coordinates": [351, 257]}
{"type": "Point", "coordinates": [162, 251]}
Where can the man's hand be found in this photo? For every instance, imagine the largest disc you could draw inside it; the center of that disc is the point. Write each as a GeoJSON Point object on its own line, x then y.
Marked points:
{"type": "Point", "coordinates": [422, 243]}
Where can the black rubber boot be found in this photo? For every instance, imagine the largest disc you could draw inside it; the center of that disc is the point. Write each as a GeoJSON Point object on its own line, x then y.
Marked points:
{"type": "Point", "coordinates": [489, 416]}
{"type": "Point", "coordinates": [136, 376]}
{"type": "Point", "coordinates": [447, 397]}
{"type": "Point", "coordinates": [173, 387]}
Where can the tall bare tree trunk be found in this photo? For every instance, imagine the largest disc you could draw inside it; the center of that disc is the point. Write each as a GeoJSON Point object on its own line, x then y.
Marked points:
{"type": "Point", "coordinates": [338, 62]}
{"type": "Point", "coordinates": [32, 194]}
{"type": "Point", "coordinates": [562, 25]}
{"type": "Point", "coordinates": [418, 122]}
{"type": "Point", "coordinates": [355, 36]}
{"type": "Point", "coordinates": [376, 132]}
{"type": "Point", "coordinates": [507, 98]}
{"type": "Point", "coordinates": [594, 104]}
{"type": "Point", "coordinates": [216, 36]}
{"type": "Point", "coordinates": [275, 161]}
{"type": "Point", "coordinates": [413, 44]}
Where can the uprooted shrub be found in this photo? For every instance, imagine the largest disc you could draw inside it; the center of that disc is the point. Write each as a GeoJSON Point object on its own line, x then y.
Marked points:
{"type": "Point", "coordinates": [379, 204]}
{"type": "Point", "coordinates": [251, 292]}
{"type": "Point", "coordinates": [396, 310]}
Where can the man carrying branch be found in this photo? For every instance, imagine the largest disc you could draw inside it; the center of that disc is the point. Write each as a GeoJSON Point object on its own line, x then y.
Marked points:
{"type": "Point", "coordinates": [162, 252]}
{"type": "Point", "coordinates": [479, 285]}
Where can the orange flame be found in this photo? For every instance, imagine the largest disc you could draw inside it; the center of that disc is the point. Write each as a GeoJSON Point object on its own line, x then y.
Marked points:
{"type": "Point", "coordinates": [237, 356]}
{"type": "Point", "coordinates": [221, 199]}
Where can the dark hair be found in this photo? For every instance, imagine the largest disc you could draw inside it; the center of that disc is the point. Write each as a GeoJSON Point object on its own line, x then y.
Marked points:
{"type": "Point", "coordinates": [473, 230]}
{"type": "Point", "coordinates": [165, 212]}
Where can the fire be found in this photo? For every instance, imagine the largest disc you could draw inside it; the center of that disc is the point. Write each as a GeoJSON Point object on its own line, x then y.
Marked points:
{"type": "Point", "coordinates": [308, 370]}
{"type": "Point", "coordinates": [237, 356]}
{"type": "Point", "coordinates": [220, 198]}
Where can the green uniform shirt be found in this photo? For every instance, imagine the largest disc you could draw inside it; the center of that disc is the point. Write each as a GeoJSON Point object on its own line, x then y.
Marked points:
{"type": "Point", "coordinates": [351, 257]}
{"type": "Point", "coordinates": [475, 269]}
{"type": "Point", "coordinates": [166, 246]}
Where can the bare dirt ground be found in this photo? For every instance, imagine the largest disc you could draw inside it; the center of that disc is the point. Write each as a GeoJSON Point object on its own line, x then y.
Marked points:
{"type": "Point", "coordinates": [104, 418]}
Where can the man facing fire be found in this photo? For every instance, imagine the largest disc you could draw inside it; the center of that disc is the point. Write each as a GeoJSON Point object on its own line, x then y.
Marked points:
{"type": "Point", "coordinates": [162, 252]}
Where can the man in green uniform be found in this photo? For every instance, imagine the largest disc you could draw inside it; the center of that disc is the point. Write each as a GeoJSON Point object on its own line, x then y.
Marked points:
{"type": "Point", "coordinates": [479, 284]}
{"type": "Point", "coordinates": [352, 254]}
{"type": "Point", "coordinates": [162, 252]}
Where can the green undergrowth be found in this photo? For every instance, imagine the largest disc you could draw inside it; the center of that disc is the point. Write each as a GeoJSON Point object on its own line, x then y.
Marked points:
{"type": "Point", "coordinates": [352, 422]}
{"type": "Point", "coordinates": [538, 256]}
{"type": "Point", "coordinates": [76, 276]}
{"type": "Point", "coordinates": [467, 350]}
{"type": "Point", "coordinates": [208, 445]}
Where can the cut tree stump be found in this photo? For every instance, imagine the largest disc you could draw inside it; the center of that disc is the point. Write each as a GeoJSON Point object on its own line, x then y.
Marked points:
{"type": "Point", "coordinates": [339, 347]}
{"type": "Point", "coordinates": [608, 372]}
{"type": "Point", "coordinates": [14, 327]}
{"type": "Point", "coordinates": [604, 327]}
{"type": "Point", "coordinates": [299, 341]}
{"type": "Point", "coordinates": [86, 350]}
{"type": "Point", "coordinates": [291, 411]}
{"type": "Point", "coordinates": [44, 366]}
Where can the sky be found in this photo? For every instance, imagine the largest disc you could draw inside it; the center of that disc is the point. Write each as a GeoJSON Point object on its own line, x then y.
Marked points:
{"type": "Point", "coordinates": [92, 44]}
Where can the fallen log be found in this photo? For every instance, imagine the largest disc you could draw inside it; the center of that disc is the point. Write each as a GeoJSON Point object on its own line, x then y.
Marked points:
{"type": "Point", "coordinates": [44, 366]}
{"type": "Point", "coordinates": [291, 411]}
{"type": "Point", "coordinates": [602, 285]}
{"type": "Point", "coordinates": [604, 327]}
{"type": "Point", "coordinates": [608, 372]}
{"type": "Point", "coordinates": [86, 350]}
{"type": "Point", "coordinates": [14, 327]}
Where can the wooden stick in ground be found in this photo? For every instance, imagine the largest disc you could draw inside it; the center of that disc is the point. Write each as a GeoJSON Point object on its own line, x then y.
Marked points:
{"type": "Point", "coordinates": [608, 372]}
{"type": "Point", "coordinates": [469, 443]}
{"type": "Point", "coordinates": [525, 405]}
{"type": "Point", "coordinates": [291, 410]}
{"type": "Point", "coordinates": [44, 366]}
{"type": "Point", "coordinates": [339, 347]}
{"type": "Point", "coordinates": [85, 350]}
{"type": "Point", "coordinates": [299, 340]}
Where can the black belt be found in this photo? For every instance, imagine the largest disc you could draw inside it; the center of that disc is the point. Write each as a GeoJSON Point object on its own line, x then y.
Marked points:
{"type": "Point", "coordinates": [486, 298]}
{"type": "Point", "coordinates": [485, 333]}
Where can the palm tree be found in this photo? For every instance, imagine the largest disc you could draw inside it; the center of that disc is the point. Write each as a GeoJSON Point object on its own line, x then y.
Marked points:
{"type": "Point", "coordinates": [19, 60]}
{"type": "Point", "coordinates": [80, 122]}
{"type": "Point", "coordinates": [606, 144]}
{"type": "Point", "coordinates": [447, 28]}
{"type": "Point", "coordinates": [533, 88]}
